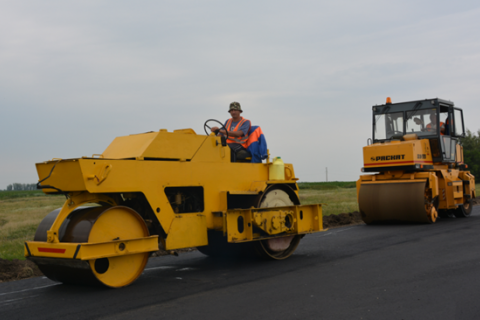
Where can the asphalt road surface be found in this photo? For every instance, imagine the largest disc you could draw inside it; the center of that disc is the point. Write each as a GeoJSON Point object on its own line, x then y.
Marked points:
{"type": "Point", "coordinates": [409, 271]}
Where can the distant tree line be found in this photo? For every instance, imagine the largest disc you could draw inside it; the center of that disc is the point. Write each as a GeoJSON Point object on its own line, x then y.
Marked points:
{"type": "Point", "coordinates": [21, 186]}
{"type": "Point", "coordinates": [471, 153]}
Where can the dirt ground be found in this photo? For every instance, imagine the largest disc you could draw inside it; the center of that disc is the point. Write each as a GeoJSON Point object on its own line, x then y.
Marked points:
{"type": "Point", "coordinates": [476, 201]}
{"type": "Point", "coordinates": [17, 269]}
{"type": "Point", "coordinates": [342, 219]}
{"type": "Point", "coordinates": [22, 269]}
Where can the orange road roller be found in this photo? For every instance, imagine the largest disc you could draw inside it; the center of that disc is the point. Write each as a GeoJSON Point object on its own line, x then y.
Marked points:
{"type": "Point", "coordinates": [175, 190]}
{"type": "Point", "coordinates": [417, 160]}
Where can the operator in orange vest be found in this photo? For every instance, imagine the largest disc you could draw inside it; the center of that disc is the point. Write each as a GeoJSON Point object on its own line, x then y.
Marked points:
{"type": "Point", "coordinates": [432, 126]}
{"type": "Point", "coordinates": [238, 129]}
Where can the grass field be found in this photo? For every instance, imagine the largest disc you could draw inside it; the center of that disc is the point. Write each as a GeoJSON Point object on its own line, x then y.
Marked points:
{"type": "Point", "coordinates": [6, 195]}
{"type": "Point", "coordinates": [335, 201]}
{"type": "Point", "coordinates": [337, 196]}
{"type": "Point", "coordinates": [20, 214]}
{"type": "Point", "coordinates": [334, 185]}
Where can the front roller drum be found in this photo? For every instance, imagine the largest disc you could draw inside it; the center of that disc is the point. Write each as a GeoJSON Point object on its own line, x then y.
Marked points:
{"type": "Point", "coordinates": [277, 248]}
{"type": "Point", "coordinates": [392, 201]}
{"type": "Point", "coordinates": [94, 225]}
{"type": "Point", "coordinates": [282, 247]}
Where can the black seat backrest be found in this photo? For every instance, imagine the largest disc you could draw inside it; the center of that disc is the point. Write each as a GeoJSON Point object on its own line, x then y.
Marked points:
{"type": "Point", "coordinates": [243, 155]}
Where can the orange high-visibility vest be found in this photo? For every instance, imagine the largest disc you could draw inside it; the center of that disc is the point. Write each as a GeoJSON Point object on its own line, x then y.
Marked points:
{"type": "Point", "coordinates": [429, 126]}
{"type": "Point", "coordinates": [239, 140]}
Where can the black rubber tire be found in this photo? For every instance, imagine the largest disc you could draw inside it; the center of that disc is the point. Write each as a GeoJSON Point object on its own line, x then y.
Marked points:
{"type": "Point", "coordinates": [464, 210]}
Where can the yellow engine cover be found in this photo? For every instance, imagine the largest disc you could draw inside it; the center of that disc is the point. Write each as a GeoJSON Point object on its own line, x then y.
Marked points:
{"type": "Point", "coordinates": [397, 154]}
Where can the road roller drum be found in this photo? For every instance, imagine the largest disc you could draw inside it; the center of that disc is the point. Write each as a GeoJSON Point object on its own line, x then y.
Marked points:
{"type": "Point", "coordinates": [401, 201]}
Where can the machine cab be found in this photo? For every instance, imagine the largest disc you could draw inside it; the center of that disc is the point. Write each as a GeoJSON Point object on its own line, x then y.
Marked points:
{"type": "Point", "coordinates": [434, 119]}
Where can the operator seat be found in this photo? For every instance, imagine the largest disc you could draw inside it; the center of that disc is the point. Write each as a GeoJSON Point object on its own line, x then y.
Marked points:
{"type": "Point", "coordinates": [256, 147]}
{"type": "Point", "coordinates": [243, 156]}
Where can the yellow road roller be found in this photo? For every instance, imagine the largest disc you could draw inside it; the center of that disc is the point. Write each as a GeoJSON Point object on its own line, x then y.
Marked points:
{"type": "Point", "coordinates": [175, 190]}
{"type": "Point", "coordinates": [417, 161]}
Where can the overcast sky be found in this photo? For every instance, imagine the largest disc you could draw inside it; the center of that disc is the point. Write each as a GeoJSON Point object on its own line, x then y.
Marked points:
{"type": "Point", "coordinates": [76, 74]}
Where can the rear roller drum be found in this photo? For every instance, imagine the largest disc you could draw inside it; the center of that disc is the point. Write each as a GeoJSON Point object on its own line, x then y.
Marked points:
{"type": "Point", "coordinates": [400, 201]}
{"type": "Point", "coordinates": [93, 225]}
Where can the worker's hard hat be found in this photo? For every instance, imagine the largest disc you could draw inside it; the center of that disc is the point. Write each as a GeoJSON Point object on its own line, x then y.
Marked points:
{"type": "Point", "coordinates": [235, 106]}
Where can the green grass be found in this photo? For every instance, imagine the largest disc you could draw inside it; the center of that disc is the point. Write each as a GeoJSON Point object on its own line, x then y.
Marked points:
{"type": "Point", "coordinates": [335, 201]}
{"type": "Point", "coordinates": [5, 195]}
{"type": "Point", "coordinates": [326, 185]}
{"type": "Point", "coordinates": [20, 215]}
{"type": "Point", "coordinates": [336, 196]}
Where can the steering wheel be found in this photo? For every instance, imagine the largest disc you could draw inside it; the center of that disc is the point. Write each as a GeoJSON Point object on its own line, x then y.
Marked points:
{"type": "Point", "coordinates": [205, 126]}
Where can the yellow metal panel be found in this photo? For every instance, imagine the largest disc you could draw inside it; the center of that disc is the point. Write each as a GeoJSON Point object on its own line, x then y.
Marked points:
{"type": "Point", "coordinates": [309, 218]}
{"type": "Point", "coordinates": [162, 144]}
{"type": "Point", "coordinates": [174, 146]}
{"type": "Point", "coordinates": [289, 172]}
{"type": "Point", "coordinates": [433, 184]}
{"type": "Point", "coordinates": [258, 186]}
{"type": "Point", "coordinates": [457, 187]}
{"type": "Point", "coordinates": [52, 250]}
{"type": "Point", "coordinates": [89, 251]}
{"type": "Point", "coordinates": [186, 131]}
{"type": "Point", "coordinates": [132, 146]}
{"type": "Point", "coordinates": [446, 183]}
{"type": "Point", "coordinates": [66, 175]}
{"type": "Point", "coordinates": [187, 230]}
{"type": "Point", "coordinates": [405, 153]}
{"type": "Point", "coordinates": [233, 220]}
{"type": "Point", "coordinates": [306, 219]}
{"type": "Point", "coordinates": [211, 150]}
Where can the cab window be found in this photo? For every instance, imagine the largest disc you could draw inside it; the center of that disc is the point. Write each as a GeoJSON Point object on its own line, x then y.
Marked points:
{"type": "Point", "coordinates": [388, 125]}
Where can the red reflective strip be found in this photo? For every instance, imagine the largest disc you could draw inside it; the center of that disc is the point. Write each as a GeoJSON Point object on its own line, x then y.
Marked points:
{"type": "Point", "coordinates": [397, 162]}
{"type": "Point", "coordinates": [51, 250]}
{"type": "Point", "coordinates": [383, 163]}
